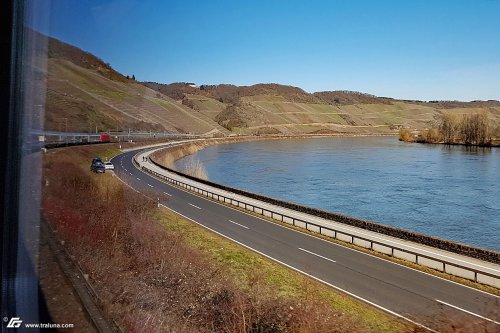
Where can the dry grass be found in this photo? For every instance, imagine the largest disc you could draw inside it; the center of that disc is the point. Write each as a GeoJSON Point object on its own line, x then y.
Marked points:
{"type": "Point", "coordinates": [167, 157]}
{"type": "Point", "coordinates": [195, 168]}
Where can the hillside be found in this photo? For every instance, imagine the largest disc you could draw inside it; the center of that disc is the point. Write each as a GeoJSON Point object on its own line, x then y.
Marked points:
{"type": "Point", "coordinates": [85, 93]}
{"type": "Point", "coordinates": [273, 108]}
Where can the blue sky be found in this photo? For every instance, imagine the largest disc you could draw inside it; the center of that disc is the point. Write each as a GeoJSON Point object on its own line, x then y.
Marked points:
{"type": "Point", "coordinates": [404, 49]}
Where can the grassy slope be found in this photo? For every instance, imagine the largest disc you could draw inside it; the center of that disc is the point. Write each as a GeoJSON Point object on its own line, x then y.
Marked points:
{"type": "Point", "coordinates": [88, 99]}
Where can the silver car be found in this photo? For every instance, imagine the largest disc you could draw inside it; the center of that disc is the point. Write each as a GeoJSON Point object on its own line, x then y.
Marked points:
{"type": "Point", "coordinates": [109, 166]}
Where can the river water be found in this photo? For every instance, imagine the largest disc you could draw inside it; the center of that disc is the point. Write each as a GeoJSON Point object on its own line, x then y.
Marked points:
{"type": "Point", "coordinates": [451, 192]}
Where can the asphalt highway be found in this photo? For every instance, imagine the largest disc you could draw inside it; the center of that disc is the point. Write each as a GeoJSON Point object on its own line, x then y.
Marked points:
{"type": "Point", "coordinates": [420, 298]}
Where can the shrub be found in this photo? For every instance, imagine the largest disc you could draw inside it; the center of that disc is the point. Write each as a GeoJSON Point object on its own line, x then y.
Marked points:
{"type": "Point", "coordinates": [433, 135]}
{"type": "Point", "coordinates": [405, 134]}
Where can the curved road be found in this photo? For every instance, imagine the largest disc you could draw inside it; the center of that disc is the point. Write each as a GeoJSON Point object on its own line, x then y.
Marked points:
{"type": "Point", "coordinates": [420, 298]}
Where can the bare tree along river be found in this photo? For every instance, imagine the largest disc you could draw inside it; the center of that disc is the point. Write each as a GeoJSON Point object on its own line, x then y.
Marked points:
{"type": "Point", "coordinates": [452, 192]}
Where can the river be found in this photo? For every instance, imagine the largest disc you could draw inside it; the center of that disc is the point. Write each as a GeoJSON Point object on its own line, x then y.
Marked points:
{"type": "Point", "coordinates": [451, 192]}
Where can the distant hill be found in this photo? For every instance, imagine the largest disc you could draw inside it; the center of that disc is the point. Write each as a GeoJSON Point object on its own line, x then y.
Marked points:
{"type": "Point", "coordinates": [349, 98]}
{"type": "Point", "coordinates": [84, 92]}
{"type": "Point", "coordinates": [232, 94]}
{"type": "Point", "coordinates": [274, 108]}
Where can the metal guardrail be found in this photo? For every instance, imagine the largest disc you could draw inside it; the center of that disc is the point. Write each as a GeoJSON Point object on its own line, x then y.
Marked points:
{"type": "Point", "coordinates": [334, 233]}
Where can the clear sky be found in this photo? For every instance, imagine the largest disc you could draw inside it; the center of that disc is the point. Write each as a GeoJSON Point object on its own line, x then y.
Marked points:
{"type": "Point", "coordinates": [420, 49]}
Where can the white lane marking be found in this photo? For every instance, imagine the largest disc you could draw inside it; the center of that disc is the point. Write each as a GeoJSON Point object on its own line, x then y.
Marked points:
{"type": "Point", "coordinates": [125, 169]}
{"type": "Point", "coordinates": [306, 274]}
{"type": "Point", "coordinates": [168, 194]}
{"type": "Point", "coordinates": [131, 173]}
{"type": "Point", "coordinates": [466, 311]}
{"type": "Point", "coordinates": [194, 206]}
{"type": "Point", "coordinates": [317, 255]}
{"type": "Point", "coordinates": [150, 185]}
{"type": "Point", "coordinates": [241, 225]}
{"type": "Point", "coordinates": [138, 178]}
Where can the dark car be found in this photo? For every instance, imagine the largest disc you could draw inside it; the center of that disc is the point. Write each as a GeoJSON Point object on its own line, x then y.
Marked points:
{"type": "Point", "coordinates": [97, 165]}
